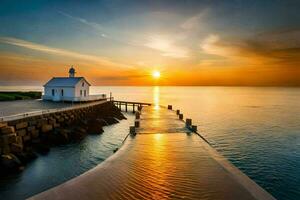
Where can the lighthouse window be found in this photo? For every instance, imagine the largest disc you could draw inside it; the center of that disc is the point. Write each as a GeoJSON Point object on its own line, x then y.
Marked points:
{"type": "Point", "coordinates": [85, 93]}
{"type": "Point", "coordinates": [82, 84]}
{"type": "Point", "coordinates": [62, 93]}
{"type": "Point", "coordinates": [80, 92]}
{"type": "Point", "coordinates": [52, 92]}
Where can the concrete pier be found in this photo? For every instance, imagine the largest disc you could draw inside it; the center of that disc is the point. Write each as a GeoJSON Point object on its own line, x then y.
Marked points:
{"type": "Point", "coordinates": [164, 160]}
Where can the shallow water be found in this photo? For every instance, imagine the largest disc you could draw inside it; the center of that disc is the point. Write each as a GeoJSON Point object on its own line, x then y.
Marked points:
{"type": "Point", "coordinates": [64, 162]}
{"type": "Point", "coordinates": [257, 129]}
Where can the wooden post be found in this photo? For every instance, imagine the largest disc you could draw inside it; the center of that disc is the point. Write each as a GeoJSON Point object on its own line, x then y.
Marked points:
{"type": "Point", "coordinates": [188, 122]}
{"type": "Point", "coordinates": [137, 123]}
{"type": "Point", "coordinates": [181, 116]}
{"type": "Point", "coordinates": [126, 106]}
{"type": "Point", "coordinates": [137, 115]}
{"type": "Point", "coordinates": [133, 109]}
{"type": "Point", "coordinates": [177, 112]}
{"type": "Point", "coordinates": [132, 130]}
{"type": "Point", "coordinates": [170, 107]}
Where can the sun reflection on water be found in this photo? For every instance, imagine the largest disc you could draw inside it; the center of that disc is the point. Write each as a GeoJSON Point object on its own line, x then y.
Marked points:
{"type": "Point", "coordinates": [156, 97]}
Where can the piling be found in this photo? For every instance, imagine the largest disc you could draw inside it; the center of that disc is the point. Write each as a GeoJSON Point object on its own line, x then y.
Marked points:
{"type": "Point", "coordinates": [181, 116]}
{"type": "Point", "coordinates": [170, 107]}
{"type": "Point", "coordinates": [137, 115]}
{"type": "Point", "coordinates": [177, 112]}
{"type": "Point", "coordinates": [188, 122]}
{"type": "Point", "coordinates": [137, 123]}
{"type": "Point", "coordinates": [132, 130]}
{"type": "Point", "coordinates": [133, 108]}
{"type": "Point", "coordinates": [126, 107]}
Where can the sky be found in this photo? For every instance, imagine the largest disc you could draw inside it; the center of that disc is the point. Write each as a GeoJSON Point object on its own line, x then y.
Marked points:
{"type": "Point", "coordinates": [114, 42]}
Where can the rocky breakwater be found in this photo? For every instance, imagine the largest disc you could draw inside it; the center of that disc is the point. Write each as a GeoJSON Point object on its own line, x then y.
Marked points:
{"type": "Point", "coordinates": [22, 140]}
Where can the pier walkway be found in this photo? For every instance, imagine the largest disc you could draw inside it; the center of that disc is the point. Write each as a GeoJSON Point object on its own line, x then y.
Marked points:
{"type": "Point", "coordinates": [163, 161]}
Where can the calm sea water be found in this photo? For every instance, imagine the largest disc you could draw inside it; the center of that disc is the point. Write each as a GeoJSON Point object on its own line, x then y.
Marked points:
{"type": "Point", "coordinates": [257, 129]}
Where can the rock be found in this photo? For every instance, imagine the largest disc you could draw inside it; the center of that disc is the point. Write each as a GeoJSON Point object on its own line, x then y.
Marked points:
{"type": "Point", "coordinates": [21, 125]}
{"type": "Point", "coordinates": [16, 148]}
{"type": "Point", "coordinates": [102, 122]}
{"type": "Point", "coordinates": [46, 128]}
{"type": "Point", "coordinates": [32, 123]}
{"type": "Point", "coordinates": [10, 163]}
{"type": "Point", "coordinates": [7, 130]}
{"type": "Point", "coordinates": [31, 128]}
{"type": "Point", "coordinates": [26, 138]}
{"type": "Point", "coordinates": [111, 120]}
{"type": "Point", "coordinates": [94, 127]}
{"type": "Point", "coordinates": [21, 132]}
{"type": "Point", "coordinates": [62, 137]}
{"type": "Point", "coordinates": [78, 134]}
{"type": "Point", "coordinates": [120, 116]}
{"type": "Point", "coordinates": [34, 134]}
{"type": "Point", "coordinates": [9, 138]}
{"type": "Point", "coordinates": [56, 125]}
{"type": "Point", "coordinates": [3, 124]}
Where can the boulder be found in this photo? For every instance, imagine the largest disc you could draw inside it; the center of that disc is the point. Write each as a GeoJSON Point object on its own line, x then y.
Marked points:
{"type": "Point", "coordinates": [16, 148]}
{"type": "Point", "coordinates": [31, 128]}
{"type": "Point", "coordinates": [102, 122]}
{"type": "Point", "coordinates": [21, 132]}
{"type": "Point", "coordinates": [78, 134]}
{"type": "Point", "coordinates": [21, 125]}
{"type": "Point", "coordinates": [3, 124]}
{"type": "Point", "coordinates": [9, 138]}
{"type": "Point", "coordinates": [46, 128]}
{"type": "Point", "coordinates": [26, 138]}
{"type": "Point", "coordinates": [94, 127]}
{"type": "Point", "coordinates": [10, 163]}
{"type": "Point", "coordinates": [34, 134]}
{"type": "Point", "coordinates": [62, 137]}
{"type": "Point", "coordinates": [111, 120]}
{"type": "Point", "coordinates": [7, 130]}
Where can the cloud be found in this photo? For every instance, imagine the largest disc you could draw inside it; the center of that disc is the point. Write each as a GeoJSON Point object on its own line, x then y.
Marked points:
{"type": "Point", "coordinates": [166, 47]}
{"type": "Point", "coordinates": [104, 32]}
{"type": "Point", "coordinates": [210, 45]}
{"type": "Point", "coordinates": [84, 21]}
{"type": "Point", "coordinates": [194, 21]}
{"type": "Point", "coordinates": [60, 52]}
{"type": "Point", "coordinates": [276, 49]}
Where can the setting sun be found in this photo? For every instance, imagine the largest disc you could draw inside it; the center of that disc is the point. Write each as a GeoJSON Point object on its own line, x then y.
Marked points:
{"type": "Point", "coordinates": [156, 74]}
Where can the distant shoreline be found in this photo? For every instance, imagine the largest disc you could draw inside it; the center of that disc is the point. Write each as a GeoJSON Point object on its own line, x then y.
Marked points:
{"type": "Point", "coordinates": [14, 95]}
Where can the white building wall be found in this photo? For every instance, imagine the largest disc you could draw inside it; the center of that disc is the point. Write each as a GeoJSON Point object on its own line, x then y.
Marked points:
{"type": "Point", "coordinates": [68, 92]}
{"type": "Point", "coordinates": [82, 86]}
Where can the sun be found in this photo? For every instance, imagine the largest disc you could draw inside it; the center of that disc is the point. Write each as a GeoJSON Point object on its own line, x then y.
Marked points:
{"type": "Point", "coordinates": [156, 74]}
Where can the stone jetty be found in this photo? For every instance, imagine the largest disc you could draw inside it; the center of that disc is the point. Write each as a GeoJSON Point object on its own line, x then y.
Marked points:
{"type": "Point", "coordinates": [22, 139]}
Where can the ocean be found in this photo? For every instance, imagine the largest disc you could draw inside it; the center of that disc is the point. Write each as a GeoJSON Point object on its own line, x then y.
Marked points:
{"type": "Point", "coordinates": [255, 128]}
